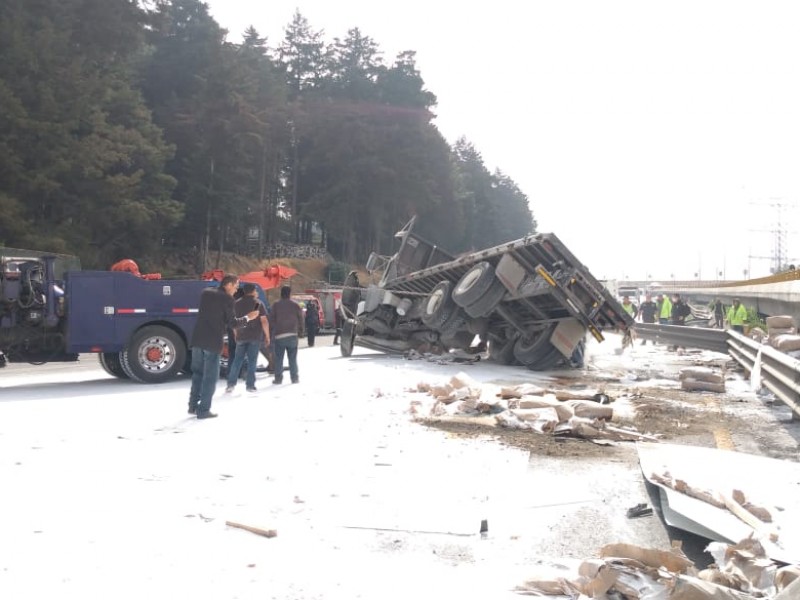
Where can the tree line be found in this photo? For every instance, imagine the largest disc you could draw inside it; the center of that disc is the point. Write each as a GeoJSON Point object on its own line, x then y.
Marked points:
{"type": "Point", "coordinates": [130, 128]}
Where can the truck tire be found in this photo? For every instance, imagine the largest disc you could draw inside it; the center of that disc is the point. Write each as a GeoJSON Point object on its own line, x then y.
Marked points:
{"type": "Point", "coordinates": [439, 309]}
{"type": "Point", "coordinates": [548, 360]}
{"type": "Point", "coordinates": [474, 284]}
{"type": "Point", "coordinates": [351, 294]}
{"type": "Point", "coordinates": [155, 354]}
{"type": "Point", "coordinates": [347, 339]}
{"type": "Point", "coordinates": [110, 361]}
{"type": "Point", "coordinates": [501, 350]}
{"type": "Point", "coordinates": [488, 302]}
{"type": "Point", "coordinates": [534, 347]}
{"type": "Point", "coordinates": [458, 339]}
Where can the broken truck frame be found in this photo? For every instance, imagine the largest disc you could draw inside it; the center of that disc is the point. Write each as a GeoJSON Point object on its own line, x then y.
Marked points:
{"type": "Point", "coordinates": [529, 300]}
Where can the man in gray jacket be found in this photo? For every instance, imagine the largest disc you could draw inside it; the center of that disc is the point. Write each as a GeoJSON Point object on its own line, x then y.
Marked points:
{"type": "Point", "coordinates": [286, 326]}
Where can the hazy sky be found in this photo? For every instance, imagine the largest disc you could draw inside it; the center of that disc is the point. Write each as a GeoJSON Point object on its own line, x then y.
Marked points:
{"type": "Point", "coordinates": [659, 139]}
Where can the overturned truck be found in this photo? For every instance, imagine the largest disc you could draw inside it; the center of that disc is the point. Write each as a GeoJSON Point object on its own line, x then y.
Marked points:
{"type": "Point", "coordinates": [529, 302]}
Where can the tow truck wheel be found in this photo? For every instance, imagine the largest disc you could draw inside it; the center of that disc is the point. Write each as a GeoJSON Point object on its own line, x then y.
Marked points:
{"type": "Point", "coordinates": [155, 354]}
{"type": "Point", "coordinates": [347, 339]}
{"type": "Point", "coordinates": [110, 361]}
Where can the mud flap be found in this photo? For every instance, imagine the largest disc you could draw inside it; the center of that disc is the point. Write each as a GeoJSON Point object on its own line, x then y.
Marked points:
{"type": "Point", "coordinates": [567, 335]}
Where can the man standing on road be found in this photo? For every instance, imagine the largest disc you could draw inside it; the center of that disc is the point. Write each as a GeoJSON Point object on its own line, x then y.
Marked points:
{"type": "Point", "coordinates": [248, 338]}
{"type": "Point", "coordinates": [286, 324]}
{"type": "Point", "coordinates": [664, 309]}
{"type": "Point", "coordinates": [214, 316]}
{"type": "Point", "coordinates": [312, 322]}
{"type": "Point", "coordinates": [737, 316]}
{"type": "Point", "coordinates": [680, 310]}
{"type": "Point", "coordinates": [648, 311]}
{"type": "Point", "coordinates": [337, 320]}
{"type": "Point", "coordinates": [719, 314]}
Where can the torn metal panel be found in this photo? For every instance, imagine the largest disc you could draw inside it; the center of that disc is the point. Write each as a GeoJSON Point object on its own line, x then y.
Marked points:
{"type": "Point", "coordinates": [768, 481]}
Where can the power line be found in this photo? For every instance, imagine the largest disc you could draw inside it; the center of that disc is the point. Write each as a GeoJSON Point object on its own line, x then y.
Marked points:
{"type": "Point", "coordinates": [779, 257]}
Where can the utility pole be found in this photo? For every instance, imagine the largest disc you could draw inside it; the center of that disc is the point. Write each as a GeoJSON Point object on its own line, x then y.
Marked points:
{"type": "Point", "coordinates": [784, 212]}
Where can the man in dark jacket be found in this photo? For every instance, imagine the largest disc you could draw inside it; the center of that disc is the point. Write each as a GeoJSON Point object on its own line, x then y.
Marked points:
{"type": "Point", "coordinates": [214, 317]}
{"type": "Point", "coordinates": [648, 311]}
{"type": "Point", "coordinates": [312, 322]}
{"type": "Point", "coordinates": [248, 338]}
{"type": "Point", "coordinates": [680, 310]}
{"type": "Point", "coordinates": [285, 325]}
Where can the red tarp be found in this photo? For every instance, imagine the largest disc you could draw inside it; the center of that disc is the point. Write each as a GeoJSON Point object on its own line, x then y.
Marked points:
{"type": "Point", "coordinates": [270, 277]}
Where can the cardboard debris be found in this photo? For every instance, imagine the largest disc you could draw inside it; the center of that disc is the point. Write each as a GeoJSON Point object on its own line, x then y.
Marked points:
{"type": "Point", "coordinates": [630, 572]}
{"type": "Point", "coordinates": [543, 420]}
{"type": "Point", "coordinates": [673, 560]}
{"type": "Point", "coordinates": [583, 414]}
{"type": "Point", "coordinates": [786, 342]}
{"type": "Point", "coordinates": [590, 410]}
{"type": "Point", "coordinates": [701, 374]}
{"type": "Point", "coordinates": [693, 385]}
{"type": "Point", "coordinates": [779, 322]}
{"type": "Point", "coordinates": [518, 391]}
{"type": "Point", "coordinates": [702, 379]}
{"type": "Point", "coordinates": [776, 331]}
{"type": "Point", "coordinates": [743, 566]}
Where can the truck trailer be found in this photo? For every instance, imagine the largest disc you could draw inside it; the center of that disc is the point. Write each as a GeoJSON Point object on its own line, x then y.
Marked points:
{"type": "Point", "coordinates": [528, 302]}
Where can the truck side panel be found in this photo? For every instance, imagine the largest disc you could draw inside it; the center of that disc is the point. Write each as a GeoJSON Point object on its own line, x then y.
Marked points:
{"type": "Point", "coordinates": [104, 308]}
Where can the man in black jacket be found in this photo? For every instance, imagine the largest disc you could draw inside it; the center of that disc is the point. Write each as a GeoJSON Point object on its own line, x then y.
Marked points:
{"type": "Point", "coordinates": [214, 317]}
{"type": "Point", "coordinates": [648, 312]}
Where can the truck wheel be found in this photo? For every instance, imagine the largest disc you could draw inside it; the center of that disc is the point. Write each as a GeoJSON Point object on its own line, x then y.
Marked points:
{"type": "Point", "coordinates": [501, 350]}
{"type": "Point", "coordinates": [474, 284]}
{"type": "Point", "coordinates": [439, 307]}
{"type": "Point", "coordinates": [110, 361]}
{"type": "Point", "coordinates": [534, 347]}
{"type": "Point", "coordinates": [155, 354]}
{"type": "Point", "coordinates": [548, 360]}
{"type": "Point", "coordinates": [347, 339]}
{"type": "Point", "coordinates": [458, 339]}
{"type": "Point", "coordinates": [351, 294]}
{"type": "Point", "coordinates": [488, 302]}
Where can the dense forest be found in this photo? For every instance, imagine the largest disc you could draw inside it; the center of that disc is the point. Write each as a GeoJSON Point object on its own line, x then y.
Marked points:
{"type": "Point", "coordinates": [131, 128]}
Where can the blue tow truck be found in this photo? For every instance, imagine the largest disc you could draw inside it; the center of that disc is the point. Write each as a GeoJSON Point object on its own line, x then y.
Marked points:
{"type": "Point", "coordinates": [52, 311]}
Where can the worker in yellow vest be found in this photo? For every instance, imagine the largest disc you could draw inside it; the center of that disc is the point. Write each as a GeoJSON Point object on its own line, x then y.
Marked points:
{"type": "Point", "coordinates": [664, 309]}
{"type": "Point", "coordinates": [737, 315]}
{"type": "Point", "coordinates": [629, 307]}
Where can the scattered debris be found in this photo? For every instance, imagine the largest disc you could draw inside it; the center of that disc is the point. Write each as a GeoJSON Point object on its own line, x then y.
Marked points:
{"type": "Point", "coordinates": [703, 379]}
{"type": "Point", "coordinates": [269, 533]}
{"type": "Point", "coordinates": [629, 572]}
{"type": "Point", "coordinates": [640, 510]}
{"type": "Point", "coordinates": [557, 412]}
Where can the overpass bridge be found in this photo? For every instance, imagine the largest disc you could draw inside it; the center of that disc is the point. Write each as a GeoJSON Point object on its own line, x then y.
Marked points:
{"type": "Point", "coordinates": [774, 295]}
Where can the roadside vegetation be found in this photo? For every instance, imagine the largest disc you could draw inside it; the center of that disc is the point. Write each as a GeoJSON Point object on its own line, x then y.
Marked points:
{"type": "Point", "coordinates": [134, 128]}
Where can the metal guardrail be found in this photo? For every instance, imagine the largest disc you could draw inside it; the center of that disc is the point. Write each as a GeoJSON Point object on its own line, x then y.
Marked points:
{"type": "Point", "coordinates": [780, 373]}
{"type": "Point", "coordinates": [686, 336]}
